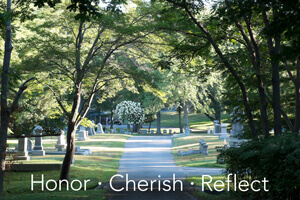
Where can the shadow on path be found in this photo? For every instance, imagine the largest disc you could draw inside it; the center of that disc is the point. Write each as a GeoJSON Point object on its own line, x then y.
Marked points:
{"type": "Point", "coordinates": [147, 171]}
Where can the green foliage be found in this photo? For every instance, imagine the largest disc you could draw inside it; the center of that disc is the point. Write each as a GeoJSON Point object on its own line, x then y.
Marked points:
{"type": "Point", "coordinates": [275, 158]}
{"type": "Point", "coordinates": [87, 123]}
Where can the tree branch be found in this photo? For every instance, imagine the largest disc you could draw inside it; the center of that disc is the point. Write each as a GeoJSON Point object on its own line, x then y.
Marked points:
{"type": "Point", "coordinates": [23, 87]}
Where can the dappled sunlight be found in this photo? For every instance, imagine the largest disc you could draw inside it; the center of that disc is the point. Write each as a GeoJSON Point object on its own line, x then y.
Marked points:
{"type": "Point", "coordinates": [107, 140]}
{"type": "Point", "coordinates": [186, 145]}
{"type": "Point", "coordinates": [145, 149]}
{"type": "Point", "coordinates": [113, 149]}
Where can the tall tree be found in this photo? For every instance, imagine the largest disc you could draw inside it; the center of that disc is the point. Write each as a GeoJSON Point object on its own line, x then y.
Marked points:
{"type": "Point", "coordinates": [81, 52]}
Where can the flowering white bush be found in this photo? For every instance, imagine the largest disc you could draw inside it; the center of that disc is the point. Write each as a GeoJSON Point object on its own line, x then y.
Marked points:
{"type": "Point", "coordinates": [131, 111]}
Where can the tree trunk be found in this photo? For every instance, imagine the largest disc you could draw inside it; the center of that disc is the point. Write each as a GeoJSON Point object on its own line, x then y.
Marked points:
{"type": "Point", "coordinates": [70, 150]}
{"type": "Point", "coordinates": [179, 116]}
{"type": "Point", "coordinates": [5, 114]}
{"type": "Point", "coordinates": [218, 114]}
{"type": "Point", "coordinates": [128, 128]}
{"type": "Point", "coordinates": [274, 52]}
{"type": "Point", "coordinates": [138, 128]}
{"type": "Point", "coordinates": [186, 118]}
{"type": "Point", "coordinates": [135, 128]}
{"type": "Point", "coordinates": [72, 126]}
{"type": "Point", "coordinates": [111, 120]}
{"type": "Point", "coordinates": [150, 124]}
{"type": "Point", "coordinates": [276, 95]}
{"type": "Point", "coordinates": [297, 101]}
{"type": "Point", "coordinates": [158, 123]}
{"type": "Point", "coordinates": [231, 70]}
{"type": "Point", "coordinates": [263, 109]}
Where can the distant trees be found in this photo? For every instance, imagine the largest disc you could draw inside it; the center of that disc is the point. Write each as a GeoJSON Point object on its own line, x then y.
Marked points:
{"type": "Point", "coordinates": [246, 44]}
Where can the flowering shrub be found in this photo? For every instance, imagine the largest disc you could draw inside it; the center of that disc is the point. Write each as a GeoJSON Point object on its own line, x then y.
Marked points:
{"type": "Point", "coordinates": [131, 111]}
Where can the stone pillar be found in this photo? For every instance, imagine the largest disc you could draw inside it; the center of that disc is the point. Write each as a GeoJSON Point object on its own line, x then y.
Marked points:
{"type": "Point", "coordinates": [224, 134]}
{"type": "Point", "coordinates": [61, 143]}
{"type": "Point", "coordinates": [208, 130]}
{"type": "Point", "coordinates": [217, 127]}
{"type": "Point", "coordinates": [100, 129]}
{"type": "Point", "coordinates": [22, 153]}
{"type": "Point", "coordinates": [38, 149]}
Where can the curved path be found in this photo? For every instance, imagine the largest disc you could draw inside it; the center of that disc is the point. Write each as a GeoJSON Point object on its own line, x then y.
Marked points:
{"type": "Point", "coordinates": [148, 160]}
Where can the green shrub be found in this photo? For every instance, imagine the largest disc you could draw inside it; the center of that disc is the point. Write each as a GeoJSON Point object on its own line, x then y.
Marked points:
{"type": "Point", "coordinates": [275, 158]}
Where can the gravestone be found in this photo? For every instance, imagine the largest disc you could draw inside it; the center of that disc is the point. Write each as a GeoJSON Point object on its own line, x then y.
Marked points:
{"type": "Point", "coordinates": [144, 131]}
{"type": "Point", "coordinates": [224, 134]}
{"type": "Point", "coordinates": [164, 131]}
{"type": "Point", "coordinates": [22, 153]}
{"type": "Point", "coordinates": [82, 134]}
{"type": "Point", "coordinates": [203, 147]}
{"type": "Point", "coordinates": [152, 131]}
{"type": "Point", "coordinates": [217, 127]}
{"type": "Point", "coordinates": [61, 143]}
{"type": "Point", "coordinates": [100, 129]}
{"type": "Point", "coordinates": [90, 131]}
{"type": "Point", "coordinates": [93, 128]}
{"type": "Point", "coordinates": [208, 130]}
{"type": "Point", "coordinates": [237, 127]}
{"type": "Point", "coordinates": [170, 131]}
{"type": "Point", "coordinates": [29, 145]}
{"type": "Point", "coordinates": [188, 153]}
{"type": "Point", "coordinates": [38, 149]}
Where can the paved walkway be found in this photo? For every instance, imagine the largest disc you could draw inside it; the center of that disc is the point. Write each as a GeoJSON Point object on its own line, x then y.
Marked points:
{"type": "Point", "coordinates": [149, 158]}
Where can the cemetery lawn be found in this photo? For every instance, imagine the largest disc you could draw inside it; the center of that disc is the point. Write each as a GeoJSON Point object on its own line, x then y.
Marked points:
{"type": "Point", "coordinates": [192, 143]}
{"type": "Point", "coordinates": [196, 120]}
{"type": "Point", "coordinates": [98, 167]}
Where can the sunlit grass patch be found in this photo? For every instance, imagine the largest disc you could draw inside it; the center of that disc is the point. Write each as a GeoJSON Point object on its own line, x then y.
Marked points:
{"type": "Point", "coordinates": [97, 167]}
{"type": "Point", "coordinates": [192, 143]}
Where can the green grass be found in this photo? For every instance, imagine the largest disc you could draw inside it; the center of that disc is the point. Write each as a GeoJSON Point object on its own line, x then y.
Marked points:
{"type": "Point", "coordinates": [98, 167]}
{"type": "Point", "coordinates": [192, 143]}
{"type": "Point", "coordinates": [196, 120]}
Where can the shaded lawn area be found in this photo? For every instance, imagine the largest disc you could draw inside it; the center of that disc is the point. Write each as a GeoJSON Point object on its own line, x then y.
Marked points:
{"type": "Point", "coordinates": [196, 120]}
{"type": "Point", "coordinates": [98, 167]}
{"type": "Point", "coordinates": [192, 143]}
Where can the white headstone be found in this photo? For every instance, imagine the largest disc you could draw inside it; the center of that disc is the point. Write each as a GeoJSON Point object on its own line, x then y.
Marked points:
{"type": "Point", "coordinates": [38, 149]}
{"type": "Point", "coordinates": [224, 134]}
{"type": "Point", "coordinates": [22, 153]}
{"type": "Point", "coordinates": [82, 135]}
{"type": "Point", "coordinates": [208, 130]}
{"type": "Point", "coordinates": [61, 143]}
{"type": "Point", "coordinates": [100, 129]}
